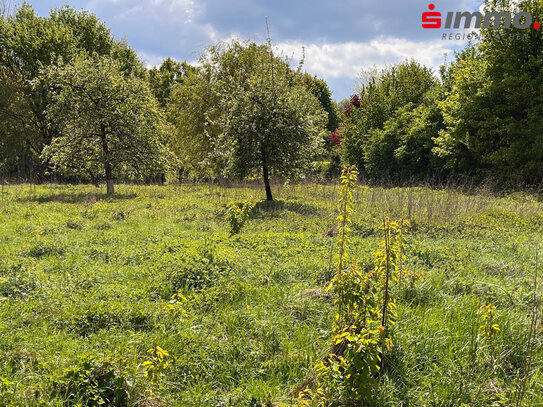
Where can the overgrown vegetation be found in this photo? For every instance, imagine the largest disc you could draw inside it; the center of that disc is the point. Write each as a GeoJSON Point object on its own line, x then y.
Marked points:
{"type": "Point", "coordinates": [90, 283]}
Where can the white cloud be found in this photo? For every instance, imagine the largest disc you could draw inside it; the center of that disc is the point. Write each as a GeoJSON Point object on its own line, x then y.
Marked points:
{"type": "Point", "coordinates": [348, 59]}
{"type": "Point", "coordinates": [151, 60]}
{"type": "Point", "coordinates": [166, 11]}
{"type": "Point", "coordinates": [162, 12]}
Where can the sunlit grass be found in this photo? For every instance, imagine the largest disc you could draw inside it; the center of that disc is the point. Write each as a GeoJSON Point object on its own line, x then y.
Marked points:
{"type": "Point", "coordinates": [85, 276]}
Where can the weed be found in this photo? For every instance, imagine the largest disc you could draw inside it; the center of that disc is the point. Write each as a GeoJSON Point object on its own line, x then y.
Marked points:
{"type": "Point", "coordinates": [487, 316]}
{"type": "Point", "coordinates": [175, 306]}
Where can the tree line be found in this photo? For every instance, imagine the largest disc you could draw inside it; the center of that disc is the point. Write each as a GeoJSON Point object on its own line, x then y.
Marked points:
{"type": "Point", "coordinates": [480, 119]}
{"type": "Point", "coordinates": [79, 105]}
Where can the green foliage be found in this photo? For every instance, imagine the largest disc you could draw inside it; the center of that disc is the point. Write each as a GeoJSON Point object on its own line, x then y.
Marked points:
{"type": "Point", "coordinates": [105, 315]}
{"type": "Point", "coordinates": [402, 149]}
{"type": "Point", "coordinates": [155, 367]}
{"type": "Point", "coordinates": [176, 304]}
{"type": "Point", "coordinates": [29, 43]}
{"type": "Point", "coordinates": [14, 157]}
{"type": "Point", "coordinates": [345, 207]}
{"type": "Point", "coordinates": [164, 79]}
{"type": "Point", "coordinates": [390, 133]}
{"type": "Point", "coordinates": [319, 88]}
{"type": "Point", "coordinates": [93, 382]}
{"type": "Point", "coordinates": [237, 214]}
{"type": "Point", "coordinates": [492, 110]}
{"type": "Point", "coordinates": [16, 281]}
{"type": "Point", "coordinates": [487, 316]}
{"type": "Point", "coordinates": [192, 112]}
{"type": "Point", "coordinates": [109, 124]}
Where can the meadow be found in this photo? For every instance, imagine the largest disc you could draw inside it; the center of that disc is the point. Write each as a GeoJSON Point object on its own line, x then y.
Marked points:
{"type": "Point", "coordinates": [144, 299]}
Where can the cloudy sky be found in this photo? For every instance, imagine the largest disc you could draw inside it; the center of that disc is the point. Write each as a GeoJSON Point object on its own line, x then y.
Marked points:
{"type": "Point", "coordinates": [340, 38]}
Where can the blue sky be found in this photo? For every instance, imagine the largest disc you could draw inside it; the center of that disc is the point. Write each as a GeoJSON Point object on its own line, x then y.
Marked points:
{"type": "Point", "coordinates": [340, 38]}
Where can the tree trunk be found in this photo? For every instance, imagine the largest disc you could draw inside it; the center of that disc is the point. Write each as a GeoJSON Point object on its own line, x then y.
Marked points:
{"type": "Point", "coordinates": [110, 187]}
{"type": "Point", "coordinates": [109, 179]}
{"type": "Point", "coordinates": [269, 196]}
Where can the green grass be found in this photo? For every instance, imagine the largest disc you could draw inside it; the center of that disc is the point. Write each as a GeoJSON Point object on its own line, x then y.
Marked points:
{"type": "Point", "coordinates": [84, 279]}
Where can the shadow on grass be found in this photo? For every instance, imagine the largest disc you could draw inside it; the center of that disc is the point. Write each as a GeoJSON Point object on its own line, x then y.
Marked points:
{"type": "Point", "coordinates": [79, 197]}
{"type": "Point", "coordinates": [274, 208]}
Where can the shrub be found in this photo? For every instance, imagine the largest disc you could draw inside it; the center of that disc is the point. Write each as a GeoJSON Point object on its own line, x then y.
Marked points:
{"type": "Point", "coordinates": [237, 215]}
{"type": "Point", "coordinates": [93, 382]}
{"type": "Point", "coordinates": [365, 309]}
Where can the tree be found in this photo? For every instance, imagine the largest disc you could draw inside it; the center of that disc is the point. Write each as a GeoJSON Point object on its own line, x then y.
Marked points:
{"type": "Point", "coordinates": [402, 149]}
{"type": "Point", "coordinates": [14, 128]}
{"type": "Point", "coordinates": [164, 79]}
{"type": "Point", "coordinates": [494, 109]}
{"type": "Point", "coordinates": [109, 124]}
{"type": "Point", "coordinates": [376, 127]}
{"type": "Point", "coordinates": [319, 88]}
{"type": "Point", "coordinates": [414, 153]}
{"type": "Point", "coordinates": [193, 111]}
{"type": "Point", "coordinates": [29, 43]}
{"type": "Point", "coordinates": [321, 91]}
{"type": "Point", "coordinates": [454, 142]}
{"type": "Point", "coordinates": [269, 121]}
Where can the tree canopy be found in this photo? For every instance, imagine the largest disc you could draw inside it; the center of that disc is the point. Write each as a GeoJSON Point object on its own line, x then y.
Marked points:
{"type": "Point", "coordinates": [268, 120]}
{"type": "Point", "coordinates": [250, 113]}
{"type": "Point", "coordinates": [109, 124]}
{"type": "Point", "coordinates": [164, 79]}
{"type": "Point", "coordinates": [29, 43]}
{"type": "Point", "coordinates": [387, 128]}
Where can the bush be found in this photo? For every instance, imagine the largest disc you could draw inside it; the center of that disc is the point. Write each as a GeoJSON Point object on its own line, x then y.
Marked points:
{"type": "Point", "coordinates": [237, 215]}
{"type": "Point", "coordinates": [93, 383]}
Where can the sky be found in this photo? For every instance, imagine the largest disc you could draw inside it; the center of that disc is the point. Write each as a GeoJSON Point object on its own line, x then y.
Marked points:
{"type": "Point", "coordinates": [339, 38]}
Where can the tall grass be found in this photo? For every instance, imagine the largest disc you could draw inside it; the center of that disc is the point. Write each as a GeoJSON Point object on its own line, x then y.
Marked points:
{"type": "Point", "coordinates": [85, 280]}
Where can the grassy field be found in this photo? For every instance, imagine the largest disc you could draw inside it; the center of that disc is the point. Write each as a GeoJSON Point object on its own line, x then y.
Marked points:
{"type": "Point", "coordinates": [86, 280]}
